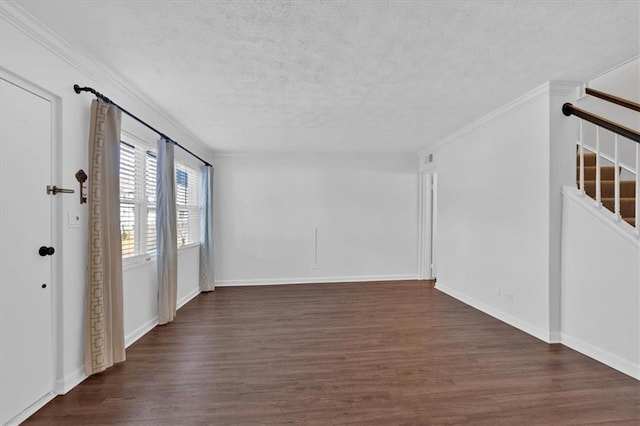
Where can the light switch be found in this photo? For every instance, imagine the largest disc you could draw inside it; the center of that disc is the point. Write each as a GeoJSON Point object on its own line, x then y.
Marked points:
{"type": "Point", "coordinates": [74, 220]}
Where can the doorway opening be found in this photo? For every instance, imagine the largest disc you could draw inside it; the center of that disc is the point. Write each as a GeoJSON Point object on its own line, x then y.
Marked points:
{"type": "Point", "coordinates": [428, 224]}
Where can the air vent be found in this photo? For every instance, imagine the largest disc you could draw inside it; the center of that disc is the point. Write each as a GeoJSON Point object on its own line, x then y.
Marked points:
{"type": "Point", "coordinates": [428, 159]}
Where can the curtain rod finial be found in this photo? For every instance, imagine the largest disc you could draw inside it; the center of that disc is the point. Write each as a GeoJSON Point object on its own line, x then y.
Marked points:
{"type": "Point", "coordinates": [76, 89]}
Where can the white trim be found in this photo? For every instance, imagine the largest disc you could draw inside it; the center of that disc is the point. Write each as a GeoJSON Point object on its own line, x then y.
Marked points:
{"type": "Point", "coordinates": [133, 139]}
{"type": "Point", "coordinates": [314, 280]}
{"type": "Point", "coordinates": [62, 386]}
{"type": "Point", "coordinates": [609, 158]}
{"type": "Point", "coordinates": [608, 70]}
{"type": "Point", "coordinates": [624, 366]}
{"type": "Point", "coordinates": [188, 247]}
{"type": "Point", "coordinates": [427, 229]}
{"type": "Point", "coordinates": [139, 332]}
{"type": "Point", "coordinates": [605, 216]}
{"type": "Point", "coordinates": [421, 227]}
{"type": "Point", "coordinates": [551, 88]}
{"type": "Point", "coordinates": [312, 154]}
{"type": "Point", "coordinates": [555, 337]}
{"type": "Point", "coordinates": [27, 412]}
{"type": "Point", "coordinates": [525, 326]}
{"type": "Point", "coordinates": [135, 262]}
{"type": "Point", "coordinates": [136, 334]}
{"type": "Point", "coordinates": [70, 381]}
{"type": "Point", "coordinates": [16, 15]}
{"type": "Point", "coordinates": [140, 260]}
{"type": "Point", "coordinates": [188, 297]}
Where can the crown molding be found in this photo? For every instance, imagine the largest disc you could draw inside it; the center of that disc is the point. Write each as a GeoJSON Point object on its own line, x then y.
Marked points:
{"type": "Point", "coordinates": [16, 15]}
{"type": "Point", "coordinates": [551, 88]}
{"type": "Point", "coordinates": [313, 154]}
{"type": "Point", "coordinates": [608, 70]}
{"type": "Point", "coordinates": [565, 88]}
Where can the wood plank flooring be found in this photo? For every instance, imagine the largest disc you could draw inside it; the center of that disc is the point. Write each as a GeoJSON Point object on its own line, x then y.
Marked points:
{"type": "Point", "coordinates": [365, 353]}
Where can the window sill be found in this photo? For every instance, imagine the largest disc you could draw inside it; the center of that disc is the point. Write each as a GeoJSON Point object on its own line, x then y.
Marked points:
{"type": "Point", "coordinates": [188, 247]}
{"type": "Point", "coordinates": [135, 262]}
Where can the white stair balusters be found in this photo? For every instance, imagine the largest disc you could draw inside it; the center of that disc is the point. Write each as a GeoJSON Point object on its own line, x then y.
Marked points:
{"type": "Point", "coordinates": [616, 163]}
{"type": "Point", "coordinates": [581, 148]}
{"type": "Point", "coordinates": [598, 173]}
{"type": "Point", "coordinates": [637, 189]}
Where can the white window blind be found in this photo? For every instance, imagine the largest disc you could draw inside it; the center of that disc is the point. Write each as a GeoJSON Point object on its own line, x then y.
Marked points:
{"type": "Point", "coordinates": [188, 203]}
{"type": "Point", "coordinates": [137, 173]}
{"type": "Point", "coordinates": [150, 191]}
{"type": "Point", "coordinates": [138, 165]}
{"type": "Point", "coordinates": [127, 199]}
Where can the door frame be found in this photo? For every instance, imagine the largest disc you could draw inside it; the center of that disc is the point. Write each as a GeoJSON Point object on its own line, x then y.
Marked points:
{"type": "Point", "coordinates": [56, 356]}
{"type": "Point", "coordinates": [428, 214]}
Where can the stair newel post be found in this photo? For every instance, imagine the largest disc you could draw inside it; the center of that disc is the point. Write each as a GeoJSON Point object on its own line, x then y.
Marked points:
{"type": "Point", "coordinates": [598, 174]}
{"type": "Point", "coordinates": [581, 149]}
{"type": "Point", "coordinates": [616, 161]}
{"type": "Point", "coordinates": [638, 189]}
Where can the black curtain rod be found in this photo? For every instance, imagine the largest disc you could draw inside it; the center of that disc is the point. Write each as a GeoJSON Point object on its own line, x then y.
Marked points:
{"type": "Point", "coordinates": [103, 98]}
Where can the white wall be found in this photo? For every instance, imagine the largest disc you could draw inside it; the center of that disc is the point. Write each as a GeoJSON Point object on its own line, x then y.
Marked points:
{"type": "Point", "coordinates": [499, 211]}
{"type": "Point", "coordinates": [511, 245]}
{"type": "Point", "coordinates": [600, 301]}
{"type": "Point", "coordinates": [600, 286]}
{"type": "Point", "coordinates": [40, 58]}
{"type": "Point", "coordinates": [268, 207]}
{"type": "Point", "coordinates": [140, 290]}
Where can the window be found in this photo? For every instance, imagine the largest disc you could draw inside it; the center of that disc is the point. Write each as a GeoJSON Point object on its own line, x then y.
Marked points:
{"type": "Point", "coordinates": [150, 198]}
{"type": "Point", "coordinates": [138, 200]}
{"type": "Point", "coordinates": [188, 204]}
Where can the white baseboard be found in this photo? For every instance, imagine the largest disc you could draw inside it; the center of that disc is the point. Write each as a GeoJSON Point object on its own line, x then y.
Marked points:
{"type": "Point", "coordinates": [314, 280]}
{"type": "Point", "coordinates": [70, 381]}
{"type": "Point", "coordinates": [27, 412]}
{"type": "Point", "coordinates": [601, 355]}
{"type": "Point", "coordinates": [555, 337]}
{"type": "Point", "coordinates": [136, 334]}
{"type": "Point", "coordinates": [525, 326]}
{"type": "Point", "coordinates": [188, 297]}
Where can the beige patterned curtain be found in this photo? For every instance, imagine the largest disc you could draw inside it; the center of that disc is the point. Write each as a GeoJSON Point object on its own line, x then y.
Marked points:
{"type": "Point", "coordinates": [104, 325]}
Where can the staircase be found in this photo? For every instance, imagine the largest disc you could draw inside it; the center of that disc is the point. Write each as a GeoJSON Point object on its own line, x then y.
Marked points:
{"type": "Point", "coordinates": [607, 195]}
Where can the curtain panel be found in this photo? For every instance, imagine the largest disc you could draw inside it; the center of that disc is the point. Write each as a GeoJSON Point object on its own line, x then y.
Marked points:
{"type": "Point", "coordinates": [104, 324]}
{"type": "Point", "coordinates": [166, 232]}
{"type": "Point", "coordinates": [207, 270]}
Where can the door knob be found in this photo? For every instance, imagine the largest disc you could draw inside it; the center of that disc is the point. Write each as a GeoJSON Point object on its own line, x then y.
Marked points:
{"type": "Point", "coordinates": [46, 251]}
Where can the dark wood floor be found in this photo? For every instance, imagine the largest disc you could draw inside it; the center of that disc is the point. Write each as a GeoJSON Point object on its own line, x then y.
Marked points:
{"type": "Point", "coordinates": [368, 353]}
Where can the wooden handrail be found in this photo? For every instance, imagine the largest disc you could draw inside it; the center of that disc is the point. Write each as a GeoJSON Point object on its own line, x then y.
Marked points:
{"type": "Point", "coordinates": [613, 99]}
{"type": "Point", "coordinates": [568, 109]}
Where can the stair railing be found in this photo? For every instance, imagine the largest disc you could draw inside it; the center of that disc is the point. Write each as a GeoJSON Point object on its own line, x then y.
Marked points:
{"type": "Point", "coordinates": [618, 131]}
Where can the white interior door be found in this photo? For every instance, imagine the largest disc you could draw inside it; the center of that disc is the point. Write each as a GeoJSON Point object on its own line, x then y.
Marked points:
{"type": "Point", "coordinates": [434, 223]}
{"type": "Point", "coordinates": [26, 343]}
{"type": "Point", "coordinates": [428, 225]}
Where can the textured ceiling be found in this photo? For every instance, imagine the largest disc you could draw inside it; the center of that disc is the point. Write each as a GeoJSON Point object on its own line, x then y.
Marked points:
{"type": "Point", "coordinates": [357, 76]}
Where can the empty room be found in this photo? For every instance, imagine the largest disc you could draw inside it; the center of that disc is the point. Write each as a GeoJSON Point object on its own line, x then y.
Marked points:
{"type": "Point", "coordinates": [319, 212]}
